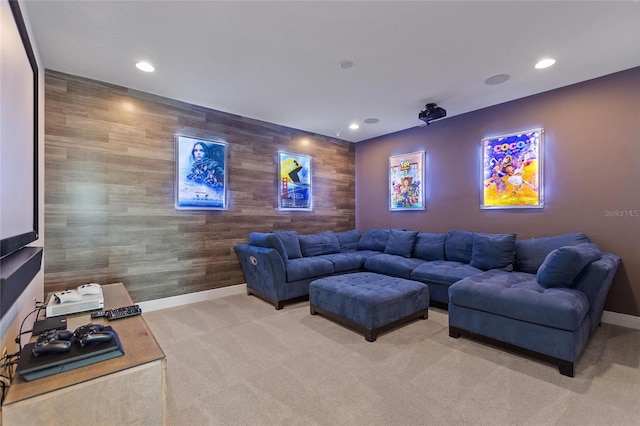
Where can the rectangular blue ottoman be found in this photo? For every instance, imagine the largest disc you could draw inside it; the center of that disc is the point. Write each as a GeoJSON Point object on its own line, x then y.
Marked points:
{"type": "Point", "coordinates": [369, 303]}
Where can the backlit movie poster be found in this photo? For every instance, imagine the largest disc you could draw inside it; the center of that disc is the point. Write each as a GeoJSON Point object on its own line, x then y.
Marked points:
{"type": "Point", "coordinates": [201, 178]}
{"type": "Point", "coordinates": [512, 170]}
{"type": "Point", "coordinates": [406, 176]}
{"type": "Point", "coordinates": [294, 191]}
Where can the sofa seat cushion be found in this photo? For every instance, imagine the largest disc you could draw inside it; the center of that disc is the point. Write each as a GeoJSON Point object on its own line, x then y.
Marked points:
{"type": "Point", "coordinates": [517, 295]}
{"type": "Point", "coordinates": [563, 265]}
{"type": "Point", "coordinates": [430, 246]}
{"type": "Point", "coordinates": [459, 245]}
{"type": "Point", "coordinates": [269, 240]}
{"type": "Point", "coordinates": [348, 240]}
{"type": "Point", "coordinates": [493, 251]}
{"type": "Point", "coordinates": [530, 253]}
{"type": "Point", "coordinates": [391, 264]}
{"type": "Point", "coordinates": [374, 239]}
{"type": "Point", "coordinates": [348, 261]}
{"type": "Point", "coordinates": [321, 243]}
{"type": "Point", "coordinates": [400, 243]}
{"type": "Point", "coordinates": [290, 242]}
{"type": "Point", "coordinates": [444, 272]}
{"type": "Point", "coordinates": [308, 267]}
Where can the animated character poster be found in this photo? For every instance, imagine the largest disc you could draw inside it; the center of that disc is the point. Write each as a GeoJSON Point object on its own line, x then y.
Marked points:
{"type": "Point", "coordinates": [406, 181]}
{"type": "Point", "coordinates": [294, 186]}
{"type": "Point", "coordinates": [201, 178]}
{"type": "Point", "coordinates": [512, 170]}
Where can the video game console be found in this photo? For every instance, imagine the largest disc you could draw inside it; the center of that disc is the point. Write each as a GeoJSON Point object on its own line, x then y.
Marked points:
{"type": "Point", "coordinates": [67, 296]}
{"type": "Point", "coordinates": [90, 288]}
{"type": "Point", "coordinates": [88, 297]}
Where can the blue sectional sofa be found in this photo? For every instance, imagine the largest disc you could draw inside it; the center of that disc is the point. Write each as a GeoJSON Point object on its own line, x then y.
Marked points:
{"type": "Point", "coordinates": [542, 295]}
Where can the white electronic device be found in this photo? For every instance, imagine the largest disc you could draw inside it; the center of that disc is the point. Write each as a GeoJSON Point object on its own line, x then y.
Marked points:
{"type": "Point", "coordinates": [87, 302]}
{"type": "Point", "coordinates": [90, 288]}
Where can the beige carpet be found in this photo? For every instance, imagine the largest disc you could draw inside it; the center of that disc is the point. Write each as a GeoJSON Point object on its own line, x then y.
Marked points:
{"type": "Point", "coordinates": [238, 361]}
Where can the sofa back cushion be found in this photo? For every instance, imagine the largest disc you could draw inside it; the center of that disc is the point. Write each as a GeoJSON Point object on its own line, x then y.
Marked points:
{"type": "Point", "coordinates": [530, 254]}
{"type": "Point", "coordinates": [290, 242]}
{"type": "Point", "coordinates": [374, 239]}
{"type": "Point", "coordinates": [268, 240]}
{"type": "Point", "coordinates": [563, 264]}
{"type": "Point", "coordinates": [429, 246]}
{"type": "Point", "coordinates": [348, 240]}
{"type": "Point", "coordinates": [459, 246]}
{"type": "Point", "coordinates": [321, 243]}
{"type": "Point", "coordinates": [493, 251]}
{"type": "Point", "coordinates": [400, 243]}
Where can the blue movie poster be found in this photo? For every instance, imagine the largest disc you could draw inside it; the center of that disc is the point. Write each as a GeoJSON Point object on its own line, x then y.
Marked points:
{"type": "Point", "coordinates": [201, 174]}
{"type": "Point", "coordinates": [295, 182]}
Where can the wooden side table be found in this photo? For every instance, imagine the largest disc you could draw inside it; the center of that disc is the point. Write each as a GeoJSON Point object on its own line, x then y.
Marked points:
{"type": "Point", "coordinates": [124, 390]}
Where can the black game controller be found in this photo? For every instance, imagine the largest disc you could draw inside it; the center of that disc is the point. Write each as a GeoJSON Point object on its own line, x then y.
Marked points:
{"type": "Point", "coordinates": [92, 333]}
{"type": "Point", "coordinates": [53, 341]}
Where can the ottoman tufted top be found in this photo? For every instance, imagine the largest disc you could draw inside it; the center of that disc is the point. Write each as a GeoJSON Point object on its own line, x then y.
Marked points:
{"type": "Point", "coordinates": [368, 285]}
{"type": "Point", "coordinates": [369, 299]}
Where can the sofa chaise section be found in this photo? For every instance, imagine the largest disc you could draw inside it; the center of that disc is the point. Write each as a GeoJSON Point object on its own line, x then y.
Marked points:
{"type": "Point", "coordinates": [549, 312]}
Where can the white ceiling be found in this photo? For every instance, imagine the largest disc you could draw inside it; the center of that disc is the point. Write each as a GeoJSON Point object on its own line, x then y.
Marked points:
{"type": "Point", "coordinates": [280, 61]}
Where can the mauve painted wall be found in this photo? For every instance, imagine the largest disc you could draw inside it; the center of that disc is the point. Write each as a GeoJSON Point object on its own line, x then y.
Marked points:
{"type": "Point", "coordinates": [591, 170]}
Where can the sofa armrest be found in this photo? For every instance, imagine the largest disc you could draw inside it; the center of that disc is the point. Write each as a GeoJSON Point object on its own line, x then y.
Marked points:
{"type": "Point", "coordinates": [595, 281]}
{"type": "Point", "coordinates": [263, 269]}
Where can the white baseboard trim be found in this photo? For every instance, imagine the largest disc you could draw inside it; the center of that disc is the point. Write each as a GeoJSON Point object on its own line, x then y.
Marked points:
{"type": "Point", "coordinates": [622, 320]}
{"type": "Point", "coordinates": [608, 317]}
{"type": "Point", "coordinates": [186, 299]}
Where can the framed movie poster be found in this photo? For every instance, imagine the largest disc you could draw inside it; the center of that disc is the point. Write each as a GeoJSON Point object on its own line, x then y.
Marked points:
{"type": "Point", "coordinates": [512, 171]}
{"type": "Point", "coordinates": [201, 174]}
{"type": "Point", "coordinates": [294, 185]}
{"type": "Point", "coordinates": [406, 181]}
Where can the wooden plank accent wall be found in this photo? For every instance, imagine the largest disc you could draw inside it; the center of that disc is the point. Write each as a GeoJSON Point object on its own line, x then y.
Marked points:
{"type": "Point", "coordinates": [109, 190]}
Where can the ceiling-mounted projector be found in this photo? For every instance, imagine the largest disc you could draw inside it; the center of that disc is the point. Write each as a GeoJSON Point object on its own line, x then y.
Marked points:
{"type": "Point", "coordinates": [432, 112]}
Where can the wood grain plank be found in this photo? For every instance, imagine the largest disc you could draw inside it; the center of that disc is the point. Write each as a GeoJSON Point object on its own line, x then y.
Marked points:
{"type": "Point", "coordinates": [109, 190]}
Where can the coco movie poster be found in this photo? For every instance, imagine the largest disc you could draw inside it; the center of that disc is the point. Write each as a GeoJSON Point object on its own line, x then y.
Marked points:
{"type": "Point", "coordinates": [512, 170]}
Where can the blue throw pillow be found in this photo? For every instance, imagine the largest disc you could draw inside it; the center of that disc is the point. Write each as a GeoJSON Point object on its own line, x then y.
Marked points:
{"type": "Point", "coordinates": [400, 242]}
{"type": "Point", "coordinates": [290, 242]}
{"type": "Point", "coordinates": [430, 246]}
{"type": "Point", "coordinates": [348, 239]}
{"type": "Point", "coordinates": [268, 241]}
{"type": "Point", "coordinates": [493, 251]}
{"type": "Point", "coordinates": [563, 264]}
{"type": "Point", "coordinates": [374, 239]}
{"type": "Point", "coordinates": [459, 246]}
{"type": "Point", "coordinates": [317, 244]}
{"type": "Point", "coordinates": [530, 253]}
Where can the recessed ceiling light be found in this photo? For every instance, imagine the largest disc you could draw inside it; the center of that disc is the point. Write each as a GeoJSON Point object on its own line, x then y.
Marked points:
{"type": "Point", "coordinates": [372, 120]}
{"type": "Point", "coordinates": [145, 66]}
{"type": "Point", "coordinates": [346, 63]}
{"type": "Point", "coordinates": [545, 63]}
{"type": "Point", "coordinates": [497, 79]}
{"type": "Point", "coordinates": [354, 126]}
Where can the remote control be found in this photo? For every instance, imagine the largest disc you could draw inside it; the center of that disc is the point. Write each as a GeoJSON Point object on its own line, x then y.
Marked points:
{"type": "Point", "coordinates": [97, 314]}
{"type": "Point", "coordinates": [127, 311]}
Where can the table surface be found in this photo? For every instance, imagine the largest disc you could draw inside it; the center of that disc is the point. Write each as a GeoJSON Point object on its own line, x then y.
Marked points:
{"type": "Point", "coordinates": [138, 343]}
